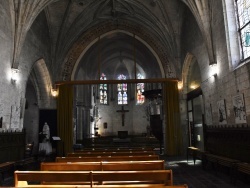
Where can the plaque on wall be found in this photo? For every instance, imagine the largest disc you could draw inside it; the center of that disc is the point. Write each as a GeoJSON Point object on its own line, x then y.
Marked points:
{"type": "Point", "coordinates": [239, 109]}
{"type": "Point", "coordinates": [222, 112]}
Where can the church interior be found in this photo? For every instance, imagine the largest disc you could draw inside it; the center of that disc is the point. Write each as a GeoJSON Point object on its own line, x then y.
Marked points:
{"type": "Point", "coordinates": [164, 84]}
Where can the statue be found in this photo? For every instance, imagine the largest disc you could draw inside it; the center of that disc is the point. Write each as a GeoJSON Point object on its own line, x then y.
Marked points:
{"type": "Point", "coordinates": [46, 145]}
{"type": "Point", "coordinates": [46, 132]}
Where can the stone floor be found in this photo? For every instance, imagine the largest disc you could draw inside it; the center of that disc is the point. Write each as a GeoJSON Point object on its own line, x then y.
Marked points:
{"type": "Point", "coordinates": [195, 177]}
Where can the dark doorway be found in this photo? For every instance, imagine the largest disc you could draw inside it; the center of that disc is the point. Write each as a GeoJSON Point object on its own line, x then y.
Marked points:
{"type": "Point", "coordinates": [49, 116]}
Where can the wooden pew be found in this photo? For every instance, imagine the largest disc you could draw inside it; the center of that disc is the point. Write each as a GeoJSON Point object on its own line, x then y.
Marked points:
{"type": "Point", "coordinates": [104, 166]}
{"type": "Point", "coordinates": [113, 150]}
{"type": "Point", "coordinates": [241, 168]}
{"type": "Point", "coordinates": [108, 158]}
{"type": "Point", "coordinates": [120, 153]}
{"type": "Point", "coordinates": [108, 186]}
{"type": "Point", "coordinates": [6, 168]}
{"type": "Point", "coordinates": [91, 178]}
{"type": "Point", "coordinates": [116, 151]}
{"type": "Point", "coordinates": [133, 165]}
{"type": "Point", "coordinates": [133, 177]}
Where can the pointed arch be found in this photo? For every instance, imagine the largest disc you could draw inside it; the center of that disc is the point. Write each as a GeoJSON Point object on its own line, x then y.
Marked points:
{"type": "Point", "coordinates": [188, 61]}
{"type": "Point", "coordinates": [40, 77]}
{"type": "Point", "coordinates": [73, 61]}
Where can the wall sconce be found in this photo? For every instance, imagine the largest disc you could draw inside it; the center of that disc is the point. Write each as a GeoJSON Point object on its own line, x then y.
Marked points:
{"type": "Point", "coordinates": [14, 75]}
{"type": "Point", "coordinates": [213, 69]}
{"type": "Point", "coordinates": [180, 85]}
{"type": "Point", "coordinates": [194, 86]}
{"type": "Point", "coordinates": [54, 92]}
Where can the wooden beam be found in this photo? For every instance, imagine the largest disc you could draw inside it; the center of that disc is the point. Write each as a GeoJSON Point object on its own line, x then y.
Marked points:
{"type": "Point", "coordinates": [88, 82]}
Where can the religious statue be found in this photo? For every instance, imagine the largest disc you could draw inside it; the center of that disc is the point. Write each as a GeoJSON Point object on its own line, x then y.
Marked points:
{"type": "Point", "coordinates": [46, 131]}
{"type": "Point", "coordinates": [46, 145]}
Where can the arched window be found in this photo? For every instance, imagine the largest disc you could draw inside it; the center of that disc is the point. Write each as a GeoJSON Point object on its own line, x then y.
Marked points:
{"type": "Point", "coordinates": [103, 91]}
{"type": "Point", "coordinates": [122, 91]}
{"type": "Point", "coordinates": [139, 90]}
{"type": "Point", "coordinates": [243, 16]}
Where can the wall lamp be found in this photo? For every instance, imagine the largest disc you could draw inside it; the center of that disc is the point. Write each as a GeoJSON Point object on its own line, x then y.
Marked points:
{"type": "Point", "coordinates": [180, 85]}
{"type": "Point", "coordinates": [14, 75]}
{"type": "Point", "coordinates": [213, 69]}
{"type": "Point", "coordinates": [54, 92]}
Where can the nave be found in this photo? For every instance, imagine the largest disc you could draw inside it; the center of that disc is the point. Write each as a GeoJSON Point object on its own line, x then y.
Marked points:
{"type": "Point", "coordinates": [184, 172]}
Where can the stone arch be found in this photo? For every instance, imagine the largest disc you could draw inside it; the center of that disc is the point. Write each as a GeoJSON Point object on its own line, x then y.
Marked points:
{"type": "Point", "coordinates": [111, 32]}
{"type": "Point", "coordinates": [89, 38]}
{"type": "Point", "coordinates": [41, 80]}
{"type": "Point", "coordinates": [188, 61]}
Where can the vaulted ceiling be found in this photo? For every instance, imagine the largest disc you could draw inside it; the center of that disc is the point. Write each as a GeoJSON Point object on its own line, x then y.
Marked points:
{"type": "Point", "coordinates": [151, 29]}
{"type": "Point", "coordinates": [156, 23]}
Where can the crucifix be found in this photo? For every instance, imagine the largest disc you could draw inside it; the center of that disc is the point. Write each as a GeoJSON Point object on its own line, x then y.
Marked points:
{"type": "Point", "coordinates": [123, 114]}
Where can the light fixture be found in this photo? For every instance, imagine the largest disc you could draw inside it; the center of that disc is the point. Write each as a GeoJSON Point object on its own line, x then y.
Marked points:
{"type": "Point", "coordinates": [213, 69]}
{"type": "Point", "coordinates": [193, 85]}
{"type": "Point", "coordinates": [180, 85]}
{"type": "Point", "coordinates": [14, 74]}
{"type": "Point", "coordinates": [54, 92]}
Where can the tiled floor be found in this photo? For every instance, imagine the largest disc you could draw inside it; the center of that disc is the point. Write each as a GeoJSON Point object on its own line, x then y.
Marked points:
{"type": "Point", "coordinates": [195, 177]}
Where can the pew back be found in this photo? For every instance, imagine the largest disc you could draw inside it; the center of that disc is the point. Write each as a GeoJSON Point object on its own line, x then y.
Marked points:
{"type": "Point", "coordinates": [108, 186]}
{"type": "Point", "coordinates": [133, 165]}
{"type": "Point", "coordinates": [119, 153]}
{"type": "Point", "coordinates": [75, 166]}
{"type": "Point", "coordinates": [116, 153]}
{"type": "Point", "coordinates": [133, 177]}
{"type": "Point", "coordinates": [103, 166]}
{"type": "Point", "coordinates": [107, 158]}
{"type": "Point", "coordinates": [94, 178]}
{"type": "Point", "coordinates": [113, 149]}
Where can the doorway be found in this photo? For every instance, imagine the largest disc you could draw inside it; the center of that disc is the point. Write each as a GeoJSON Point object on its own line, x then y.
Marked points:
{"type": "Point", "coordinates": [195, 109]}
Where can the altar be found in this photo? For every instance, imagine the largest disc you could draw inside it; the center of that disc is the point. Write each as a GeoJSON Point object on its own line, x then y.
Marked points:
{"type": "Point", "coordinates": [122, 134]}
{"type": "Point", "coordinates": [122, 137]}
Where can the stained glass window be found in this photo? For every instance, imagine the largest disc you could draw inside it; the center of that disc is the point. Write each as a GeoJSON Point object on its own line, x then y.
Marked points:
{"type": "Point", "coordinates": [243, 15]}
{"type": "Point", "coordinates": [122, 90]}
{"type": "Point", "coordinates": [139, 90]}
{"type": "Point", "coordinates": [103, 91]}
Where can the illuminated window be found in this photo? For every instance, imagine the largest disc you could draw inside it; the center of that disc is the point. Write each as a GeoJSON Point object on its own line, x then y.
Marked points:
{"type": "Point", "coordinates": [103, 91]}
{"type": "Point", "coordinates": [243, 16]}
{"type": "Point", "coordinates": [122, 91]}
{"type": "Point", "coordinates": [139, 90]}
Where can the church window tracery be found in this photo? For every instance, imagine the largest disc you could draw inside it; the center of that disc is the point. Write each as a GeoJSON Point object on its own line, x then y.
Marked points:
{"type": "Point", "coordinates": [122, 90]}
{"type": "Point", "coordinates": [139, 90]}
{"type": "Point", "coordinates": [103, 88]}
{"type": "Point", "coordinates": [243, 16]}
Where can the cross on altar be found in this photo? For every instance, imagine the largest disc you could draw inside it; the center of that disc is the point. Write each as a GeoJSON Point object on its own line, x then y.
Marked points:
{"type": "Point", "coordinates": [123, 114]}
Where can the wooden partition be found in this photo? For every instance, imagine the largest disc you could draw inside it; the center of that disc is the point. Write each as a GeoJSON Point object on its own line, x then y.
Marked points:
{"type": "Point", "coordinates": [232, 143]}
{"type": "Point", "coordinates": [12, 146]}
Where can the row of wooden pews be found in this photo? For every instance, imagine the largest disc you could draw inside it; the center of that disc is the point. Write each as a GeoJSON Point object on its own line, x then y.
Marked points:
{"type": "Point", "coordinates": [100, 170]}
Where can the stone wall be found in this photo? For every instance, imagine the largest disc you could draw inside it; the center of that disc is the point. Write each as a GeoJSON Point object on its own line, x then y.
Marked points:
{"type": "Point", "coordinates": [227, 83]}
{"type": "Point", "coordinates": [36, 46]}
{"type": "Point", "coordinates": [135, 121]}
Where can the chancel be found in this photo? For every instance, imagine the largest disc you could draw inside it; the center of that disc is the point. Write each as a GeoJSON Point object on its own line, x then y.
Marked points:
{"type": "Point", "coordinates": [169, 75]}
